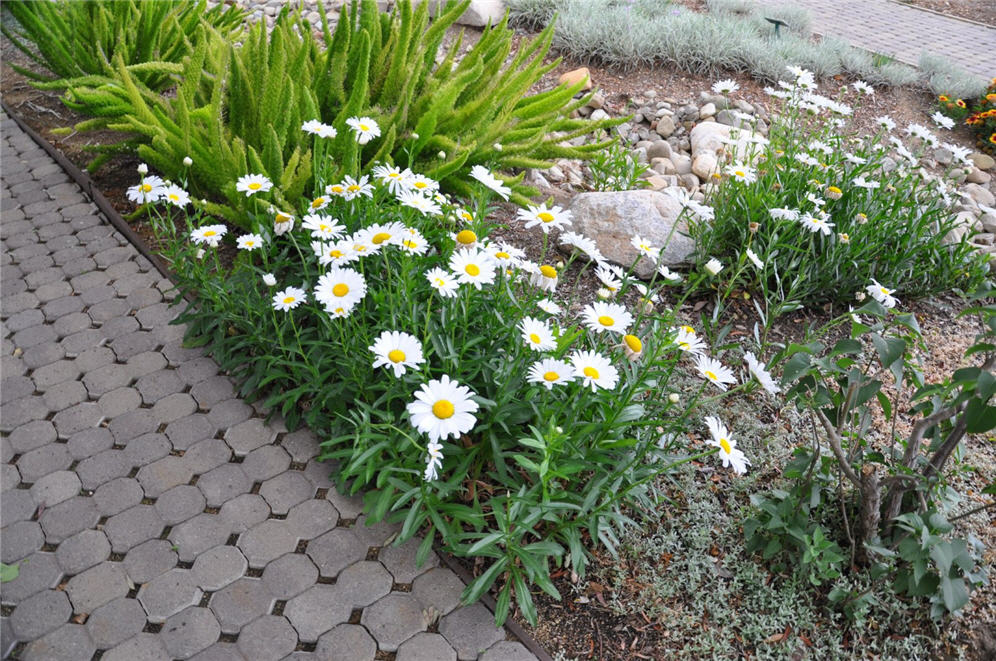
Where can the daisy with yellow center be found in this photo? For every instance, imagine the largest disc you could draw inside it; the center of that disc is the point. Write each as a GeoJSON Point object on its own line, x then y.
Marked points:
{"type": "Point", "coordinates": [340, 288]}
{"type": "Point", "coordinates": [208, 234]}
{"type": "Point", "coordinates": [689, 342]}
{"type": "Point", "coordinates": [397, 351]}
{"type": "Point", "coordinates": [412, 242]}
{"type": "Point", "coordinates": [335, 189]}
{"type": "Point", "coordinates": [844, 237]}
{"type": "Point", "coordinates": [550, 372]}
{"type": "Point", "coordinates": [548, 306]}
{"type": "Point", "coordinates": [391, 176]}
{"type": "Point", "coordinates": [632, 346]}
{"type": "Point", "coordinates": [715, 371]}
{"type": "Point", "coordinates": [322, 227]}
{"type": "Point", "coordinates": [728, 452]}
{"type": "Point", "coordinates": [546, 218]}
{"type": "Point", "coordinates": [594, 370]}
{"type": "Point", "coordinates": [282, 223]}
{"type": "Point", "coordinates": [364, 128]}
{"type": "Point", "coordinates": [149, 190]}
{"type": "Point", "coordinates": [882, 294]}
{"type": "Point", "coordinates": [645, 248]}
{"type": "Point", "coordinates": [444, 283]}
{"type": "Point", "coordinates": [742, 173]}
{"type": "Point", "coordinates": [251, 184]}
{"type": "Point", "coordinates": [833, 193]}
{"type": "Point", "coordinates": [339, 253]}
{"type": "Point", "coordinates": [611, 317]}
{"type": "Point", "coordinates": [249, 241]}
{"type": "Point", "coordinates": [353, 188]}
{"type": "Point", "coordinates": [443, 409]}
{"type": "Point", "coordinates": [465, 239]}
{"type": "Point", "coordinates": [545, 278]}
{"type": "Point", "coordinates": [759, 372]}
{"type": "Point", "coordinates": [288, 299]}
{"type": "Point", "coordinates": [537, 334]}
{"type": "Point", "coordinates": [481, 174]}
{"type": "Point", "coordinates": [474, 267]}
{"type": "Point", "coordinates": [319, 203]}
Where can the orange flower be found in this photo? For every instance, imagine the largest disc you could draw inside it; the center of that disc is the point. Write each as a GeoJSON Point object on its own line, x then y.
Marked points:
{"type": "Point", "coordinates": [991, 98]}
{"type": "Point", "coordinates": [992, 138]}
{"type": "Point", "coordinates": [943, 98]}
{"type": "Point", "coordinates": [972, 120]}
{"type": "Point", "coordinates": [960, 103]}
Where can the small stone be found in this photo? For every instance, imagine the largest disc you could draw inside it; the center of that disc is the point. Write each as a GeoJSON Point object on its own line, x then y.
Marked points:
{"type": "Point", "coordinates": [576, 76]}
{"type": "Point", "coordinates": [982, 161]}
{"type": "Point", "coordinates": [977, 176]}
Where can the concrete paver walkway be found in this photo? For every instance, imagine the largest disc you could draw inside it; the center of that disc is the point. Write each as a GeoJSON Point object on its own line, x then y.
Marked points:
{"type": "Point", "coordinates": [151, 513]}
{"type": "Point", "coordinates": [903, 32]}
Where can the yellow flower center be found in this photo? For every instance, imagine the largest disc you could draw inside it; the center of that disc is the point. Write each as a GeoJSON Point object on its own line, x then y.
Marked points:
{"type": "Point", "coordinates": [711, 375]}
{"type": "Point", "coordinates": [289, 299]}
{"type": "Point", "coordinates": [174, 197]}
{"type": "Point", "coordinates": [352, 188]}
{"type": "Point", "coordinates": [725, 444]}
{"type": "Point", "coordinates": [335, 254]}
{"type": "Point", "coordinates": [209, 232]}
{"type": "Point", "coordinates": [634, 343]}
{"type": "Point", "coordinates": [739, 173]}
{"type": "Point", "coordinates": [282, 218]}
{"type": "Point", "coordinates": [359, 247]}
{"type": "Point", "coordinates": [380, 238]}
{"type": "Point", "coordinates": [443, 409]}
{"type": "Point", "coordinates": [548, 271]}
{"type": "Point", "coordinates": [551, 376]}
{"type": "Point", "coordinates": [606, 320]}
{"type": "Point", "coordinates": [420, 185]}
{"type": "Point", "coordinates": [466, 237]}
{"type": "Point", "coordinates": [440, 282]}
{"type": "Point", "coordinates": [688, 329]}
{"type": "Point", "coordinates": [684, 345]}
{"type": "Point", "coordinates": [546, 216]}
{"type": "Point", "coordinates": [340, 290]}
{"type": "Point", "coordinates": [885, 292]}
{"type": "Point", "coordinates": [834, 189]}
{"type": "Point", "coordinates": [393, 175]}
{"type": "Point", "coordinates": [364, 127]}
{"type": "Point", "coordinates": [250, 244]}
{"type": "Point", "coordinates": [396, 355]}
{"type": "Point", "coordinates": [408, 243]}
{"type": "Point", "coordinates": [145, 188]}
{"type": "Point", "coordinates": [466, 215]}
{"type": "Point", "coordinates": [255, 185]}
{"type": "Point", "coordinates": [501, 254]}
{"type": "Point", "coordinates": [590, 372]}
{"type": "Point", "coordinates": [472, 270]}
{"type": "Point", "coordinates": [318, 201]}
{"type": "Point", "coordinates": [534, 338]}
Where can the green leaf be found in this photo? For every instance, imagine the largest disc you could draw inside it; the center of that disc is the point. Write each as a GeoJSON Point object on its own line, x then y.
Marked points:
{"type": "Point", "coordinates": [9, 572]}
{"type": "Point", "coordinates": [954, 593]}
{"type": "Point", "coordinates": [979, 416]}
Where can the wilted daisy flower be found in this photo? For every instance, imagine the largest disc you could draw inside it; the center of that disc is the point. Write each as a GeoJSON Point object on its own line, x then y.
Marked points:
{"type": "Point", "coordinates": [548, 306]}
{"type": "Point", "coordinates": [353, 189]}
{"type": "Point", "coordinates": [175, 195]}
{"type": "Point", "coordinates": [725, 86]}
{"type": "Point", "coordinates": [713, 266]}
{"type": "Point", "coordinates": [209, 234]}
{"type": "Point", "coordinates": [150, 190]}
{"type": "Point", "coordinates": [465, 239]}
{"type": "Point", "coordinates": [582, 243]}
{"type": "Point", "coordinates": [364, 128]}
{"type": "Point", "coordinates": [715, 371]}
{"type": "Point", "coordinates": [728, 452]}
{"type": "Point", "coordinates": [632, 346]}
{"type": "Point", "coordinates": [844, 237]}
{"type": "Point", "coordinates": [741, 172]}
{"type": "Point", "coordinates": [758, 371]}
{"type": "Point", "coordinates": [547, 219]}
{"type": "Point", "coordinates": [612, 317]}
{"type": "Point", "coordinates": [282, 223]}
{"type": "Point", "coordinates": [442, 282]}
{"type": "Point", "coordinates": [288, 299]}
{"type": "Point", "coordinates": [474, 267]}
{"type": "Point", "coordinates": [833, 192]}
{"type": "Point", "coordinates": [340, 288]}
{"type": "Point", "coordinates": [816, 201]}
{"type": "Point", "coordinates": [689, 342]}
{"type": "Point", "coordinates": [545, 278]}
{"type": "Point", "coordinates": [397, 351]}
{"type": "Point", "coordinates": [443, 408]}
{"type": "Point", "coordinates": [594, 370]}
{"type": "Point", "coordinates": [481, 174]}
{"type": "Point", "coordinates": [668, 274]}
{"type": "Point", "coordinates": [755, 260]}
{"type": "Point", "coordinates": [882, 294]}
{"type": "Point", "coordinates": [869, 184]}
{"type": "Point", "coordinates": [416, 200]}
{"type": "Point", "coordinates": [393, 177]}
{"type": "Point", "coordinates": [816, 223]}
{"type": "Point", "coordinates": [315, 127]}
{"type": "Point", "coordinates": [806, 159]}
{"type": "Point", "coordinates": [537, 334]}
{"type": "Point", "coordinates": [269, 279]}
{"type": "Point", "coordinates": [253, 183]}
{"type": "Point", "coordinates": [942, 120]}
{"type": "Point", "coordinates": [322, 227]}
{"type": "Point", "coordinates": [610, 275]}
{"type": "Point", "coordinates": [433, 461]}
{"type": "Point", "coordinates": [550, 372]}
{"type": "Point", "coordinates": [249, 241]}
{"type": "Point", "coordinates": [645, 247]}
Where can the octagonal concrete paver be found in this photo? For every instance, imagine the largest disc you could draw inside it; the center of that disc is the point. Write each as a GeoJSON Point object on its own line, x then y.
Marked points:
{"type": "Point", "coordinates": [394, 619]}
{"type": "Point", "coordinates": [115, 622]}
{"type": "Point", "coordinates": [315, 611]}
{"type": "Point", "coordinates": [347, 641]}
{"type": "Point", "coordinates": [241, 602]}
{"type": "Point", "coordinates": [168, 594]}
{"type": "Point", "coordinates": [268, 637]}
{"type": "Point", "coordinates": [189, 631]}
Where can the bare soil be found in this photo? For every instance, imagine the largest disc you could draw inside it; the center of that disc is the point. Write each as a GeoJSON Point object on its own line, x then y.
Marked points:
{"type": "Point", "coordinates": [980, 11]}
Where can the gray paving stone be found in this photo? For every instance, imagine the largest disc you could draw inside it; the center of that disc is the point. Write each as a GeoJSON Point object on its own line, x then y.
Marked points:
{"type": "Point", "coordinates": [64, 395]}
{"type": "Point", "coordinates": [21, 411]}
{"type": "Point", "coordinates": [95, 295]}
{"type": "Point", "coordinates": [173, 407]}
{"type": "Point", "coordinates": [265, 462]}
{"type": "Point", "coordinates": [194, 371]}
{"type": "Point", "coordinates": [363, 583]}
{"type": "Point", "coordinates": [29, 318]}
{"type": "Point", "coordinates": [290, 575]}
{"type": "Point", "coordinates": [32, 435]}
{"type": "Point", "coordinates": [83, 550]}
{"type": "Point", "coordinates": [43, 354]}
{"type": "Point", "coordinates": [177, 355]}
{"type": "Point", "coordinates": [224, 483]}
{"type": "Point", "coordinates": [105, 310]}
{"type": "Point", "coordinates": [149, 560]}
{"type": "Point", "coordinates": [180, 503]}
{"type": "Point", "coordinates": [400, 560]}
{"type": "Point", "coordinates": [7, 640]}
{"type": "Point", "coordinates": [134, 282]}
{"type": "Point", "coordinates": [102, 468]}
{"type": "Point", "coordinates": [312, 518]}
{"type": "Point", "coordinates": [207, 455]}
{"type": "Point", "coordinates": [94, 357]}
{"type": "Point", "coordinates": [76, 343]}
{"type": "Point", "coordinates": [67, 643]}
{"type": "Point", "coordinates": [132, 425]}
{"type": "Point", "coordinates": [244, 512]}
{"type": "Point", "coordinates": [426, 647]}
{"type": "Point", "coordinates": [17, 505]}
{"type": "Point", "coordinates": [15, 387]}
{"type": "Point", "coordinates": [209, 391]}
{"type": "Point", "coordinates": [378, 534]}
{"type": "Point", "coordinates": [507, 650]}
{"type": "Point", "coordinates": [268, 637]}
{"type": "Point", "coordinates": [77, 418]}
{"type": "Point", "coordinates": [227, 413]}
{"type": "Point", "coordinates": [38, 279]}
{"type": "Point", "coordinates": [320, 474]}
{"type": "Point", "coordinates": [19, 302]}
{"type": "Point", "coordinates": [79, 265]}
{"type": "Point", "coordinates": [146, 362]}
{"type": "Point", "coordinates": [53, 290]}
{"type": "Point", "coordinates": [53, 373]}
{"type": "Point", "coordinates": [119, 401]}
{"type": "Point", "coordinates": [157, 385]}
{"type": "Point", "coordinates": [300, 444]}
{"type": "Point", "coordinates": [88, 279]}
{"type": "Point", "coordinates": [88, 442]}
{"type": "Point", "coordinates": [346, 641]}
{"type": "Point", "coordinates": [118, 326]}
{"type": "Point", "coordinates": [164, 474]}
{"type": "Point", "coordinates": [394, 619]}
{"type": "Point", "coordinates": [187, 431]}
{"type": "Point", "coordinates": [36, 335]}
{"type": "Point", "coordinates": [55, 487]}
{"type": "Point", "coordinates": [60, 307]}
{"type": "Point", "coordinates": [286, 490]}
{"type": "Point", "coordinates": [156, 316]}
{"type": "Point", "coordinates": [217, 567]}
{"type": "Point", "coordinates": [240, 603]}
{"type": "Point", "coordinates": [266, 542]}
{"type": "Point", "coordinates": [115, 622]}
{"type": "Point", "coordinates": [39, 614]}
{"type": "Point", "coordinates": [146, 449]}
{"type": "Point", "coordinates": [220, 652]}
{"type": "Point", "coordinates": [336, 550]}
{"type": "Point", "coordinates": [249, 435]}
{"type": "Point", "coordinates": [143, 647]}
{"type": "Point", "coordinates": [97, 586]}
{"type": "Point", "coordinates": [168, 594]}
{"type": "Point", "coordinates": [117, 495]}
{"type": "Point", "coordinates": [70, 324]}
{"type": "Point", "coordinates": [470, 630]}
{"type": "Point", "coordinates": [39, 571]}
{"type": "Point", "coordinates": [69, 517]}
{"type": "Point", "coordinates": [315, 611]}
{"type": "Point", "coordinates": [141, 298]}
{"type": "Point", "coordinates": [196, 535]}
{"type": "Point", "coordinates": [190, 631]}
{"type": "Point", "coordinates": [132, 527]}
{"type": "Point", "coordinates": [439, 589]}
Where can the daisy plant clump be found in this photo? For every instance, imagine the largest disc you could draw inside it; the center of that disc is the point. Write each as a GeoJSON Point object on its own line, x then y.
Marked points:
{"type": "Point", "coordinates": [446, 383]}
{"type": "Point", "coordinates": [815, 211]}
{"type": "Point", "coordinates": [978, 113]}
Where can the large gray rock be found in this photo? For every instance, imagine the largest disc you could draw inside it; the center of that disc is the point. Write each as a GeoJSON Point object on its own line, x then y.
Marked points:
{"type": "Point", "coordinates": [713, 138]}
{"type": "Point", "coordinates": [980, 194]}
{"type": "Point", "coordinates": [478, 14]}
{"type": "Point", "coordinates": [611, 219]}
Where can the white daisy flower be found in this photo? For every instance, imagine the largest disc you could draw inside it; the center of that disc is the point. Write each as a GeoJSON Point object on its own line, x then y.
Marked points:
{"type": "Point", "coordinates": [582, 243]}
{"type": "Point", "coordinates": [175, 195]}
{"type": "Point", "coordinates": [632, 346]}
{"type": "Point", "coordinates": [282, 223]}
{"type": "Point", "coordinates": [269, 279]}
{"type": "Point", "coordinates": [353, 189]}
{"type": "Point", "coordinates": [668, 274]}
{"type": "Point", "coordinates": [143, 169]}
{"type": "Point", "coordinates": [253, 183]}
{"type": "Point", "coordinates": [882, 294]}
{"type": "Point", "coordinates": [149, 190]}
{"type": "Point", "coordinates": [861, 87]}
{"type": "Point", "coordinates": [422, 184]}
{"type": "Point", "coordinates": [288, 299]}
{"type": "Point", "coordinates": [715, 371]}
{"type": "Point", "coordinates": [506, 254]}
{"type": "Point", "coordinates": [394, 178]}
{"type": "Point", "coordinates": [340, 288]}
{"type": "Point", "coordinates": [612, 317]}
{"type": "Point", "coordinates": [412, 242]}
{"type": "Point", "coordinates": [806, 159]}
{"type": "Point", "coordinates": [550, 372]}
{"type": "Point", "coordinates": [387, 234]}
{"type": "Point", "coordinates": [474, 267]}
{"type": "Point", "coordinates": [249, 242]}
{"type": "Point", "coordinates": [689, 342]}
{"type": "Point", "coordinates": [416, 200]}
{"type": "Point", "coordinates": [537, 334]}
{"type": "Point", "coordinates": [885, 122]}
{"type": "Point", "coordinates": [481, 174]}
{"type": "Point", "coordinates": [742, 173]}
{"type": "Point", "coordinates": [545, 278]}
{"type": "Point", "coordinates": [713, 266]}
{"type": "Point", "coordinates": [725, 86]}
{"type": "Point", "coordinates": [755, 260]}
{"type": "Point", "coordinates": [548, 306]}
{"type": "Point", "coordinates": [783, 214]}
{"type": "Point", "coordinates": [854, 159]}
{"type": "Point", "coordinates": [315, 127]}
{"type": "Point", "coordinates": [208, 234]}
{"type": "Point", "coordinates": [817, 223]}
{"type": "Point", "coordinates": [868, 184]}
{"type": "Point", "coordinates": [443, 408]}
{"type": "Point", "coordinates": [442, 282]}
{"type": "Point", "coordinates": [364, 128]}
{"type": "Point", "coordinates": [339, 253]}
{"type": "Point", "coordinates": [942, 120]}
{"type": "Point", "coordinates": [547, 219]}
{"type": "Point", "coordinates": [433, 461]}
{"type": "Point", "coordinates": [397, 351]}
{"type": "Point", "coordinates": [763, 376]}
{"type": "Point", "coordinates": [322, 227]}
{"type": "Point", "coordinates": [594, 370]}
{"type": "Point", "coordinates": [335, 190]}
{"type": "Point", "coordinates": [644, 246]}
{"type": "Point", "coordinates": [728, 452]}
{"type": "Point", "coordinates": [465, 239]}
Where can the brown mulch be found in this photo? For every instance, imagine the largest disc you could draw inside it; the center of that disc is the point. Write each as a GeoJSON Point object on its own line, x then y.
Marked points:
{"type": "Point", "coordinates": [980, 11]}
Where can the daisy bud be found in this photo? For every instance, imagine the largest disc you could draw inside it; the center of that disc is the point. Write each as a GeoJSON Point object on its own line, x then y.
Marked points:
{"type": "Point", "coordinates": [560, 265]}
{"type": "Point", "coordinates": [833, 193]}
{"type": "Point", "coordinates": [844, 237]}
{"type": "Point", "coordinates": [674, 398]}
{"type": "Point", "coordinates": [414, 136]}
{"type": "Point", "coordinates": [604, 294]}
{"type": "Point", "coordinates": [860, 296]}
{"type": "Point", "coordinates": [441, 154]}
{"type": "Point", "coordinates": [497, 146]}
{"type": "Point", "coordinates": [269, 279]}
{"type": "Point", "coordinates": [647, 305]}
{"type": "Point", "coordinates": [200, 253]}
{"type": "Point", "coordinates": [632, 346]}
{"type": "Point", "coordinates": [753, 227]}
{"type": "Point", "coordinates": [187, 161]}
{"type": "Point", "coordinates": [713, 266]}
{"type": "Point", "coordinates": [559, 429]}
{"type": "Point", "coordinates": [143, 169]}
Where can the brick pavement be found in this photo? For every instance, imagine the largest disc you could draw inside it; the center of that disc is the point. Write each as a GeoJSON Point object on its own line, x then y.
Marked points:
{"type": "Point", "coordinates": [151, 513]}
{"type": "Point", "coordinates": [903, 32]}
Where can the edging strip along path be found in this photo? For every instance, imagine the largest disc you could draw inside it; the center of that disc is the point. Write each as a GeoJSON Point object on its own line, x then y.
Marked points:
{"type": "Point", "coordinates": [150, 512]}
